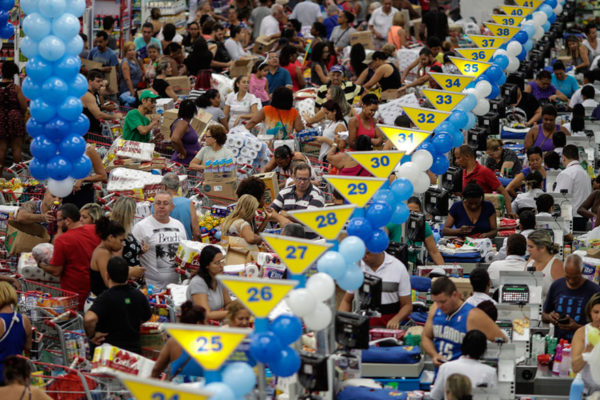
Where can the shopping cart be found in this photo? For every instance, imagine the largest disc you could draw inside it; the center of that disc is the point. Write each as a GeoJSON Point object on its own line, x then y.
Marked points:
{"type": "Point", "coordinates": [61, 382]}
{"type": "Point", "coordinates": [163, 308]}
{"type": "Point", "coordinates": [56, 300]}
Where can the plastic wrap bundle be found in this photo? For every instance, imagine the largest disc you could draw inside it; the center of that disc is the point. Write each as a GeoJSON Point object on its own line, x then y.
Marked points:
{"type": "Point", "coordinates": [247, 148]}
{"type": "Point", "coordinates": [307, 135]}
{"type": "Point", "coordinates": [392, 109]}
{"type": "Point", "coordinates": [306, 107]}
{"type": "Point", "coordinates": [28, 263]}
{"type": "Point", "coordinates": [43, 252]}
{"type": "Point", "coordinates": [223, 84]}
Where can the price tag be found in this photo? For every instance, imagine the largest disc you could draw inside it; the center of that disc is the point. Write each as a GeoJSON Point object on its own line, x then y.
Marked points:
{"type": "Point", "coordinates": [533, 4]}
{"type": "Point", "coordinates": [443, 101]}
{"type": "Point", "coordinates": [210, 346]}
{"type": "Point", "coordinates": [469, 67]}
{"type": "Point", "coordinates": [451, 82]}
{"type": "Point", "coordinates": [297, 254]}
{"type": "Point", "coordinates": [425, 119]}
{"type": "Point", "coordinates": [153, 389]}
{"type": "Point", "coordinates": [357, 190]}
{"type": "Point", "coordinates": [259, 295]}
{"type": "Point", "coordinates": [476, 54]}
{"type": "Point", "coordinates": [327, 222]}
{"type": "Point", "coordinates": [487, 42]}
{"type": "Point", "coordinates": [516, 11]}
{"type": "Point", "coordinates": [509, 20]}
{"type": "Point", "coordinates": [503, 30]}
{"type": "Point", "coordinates": [378, 163]}
{"type": "Point", "coordinates": [405, 140]}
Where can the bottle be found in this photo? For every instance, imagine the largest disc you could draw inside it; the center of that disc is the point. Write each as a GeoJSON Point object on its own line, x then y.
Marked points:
{"type": "Point", "coordinates": [557, 360]}
{"type": "Point", "coordinates": [53, 226]}
{"type": "Point", "coordinates": [565, 364]}
{"type": "Point", "coordinates": [150, 291]}
{"type": "Point", "coordinates": [576, 392]}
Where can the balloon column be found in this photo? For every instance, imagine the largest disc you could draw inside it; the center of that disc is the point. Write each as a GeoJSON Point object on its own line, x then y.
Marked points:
{"type": "Point", "coordinates": [55, 87]}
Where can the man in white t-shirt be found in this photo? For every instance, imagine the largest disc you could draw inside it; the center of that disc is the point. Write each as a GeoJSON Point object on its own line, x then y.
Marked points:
{"type": "Point", "coordinates": [588, 80]}
{"type": "Point", "coordinates": [162, 234]}
{"type": "Point", "coordinates": [396, 304]}
{"type": "Point", "coordinates": [516, 247]}
{"type": "Point", "coordinates": [307, 13]}
{"type": "Point", "coordinates": [381, 21]}
{"type": "Point", "coordinates": [269, 26]}
{"type": "Point", "coordinates": [576, 181]}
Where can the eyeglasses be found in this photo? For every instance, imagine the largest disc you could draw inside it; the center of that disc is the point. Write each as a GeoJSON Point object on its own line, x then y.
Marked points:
{"type": "Point", "coordinates": [301, 179]}
{"type": "Point", "coordinates": [208, 137]}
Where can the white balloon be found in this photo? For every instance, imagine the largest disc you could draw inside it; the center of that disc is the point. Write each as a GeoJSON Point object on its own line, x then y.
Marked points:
{"type": "Point", "coordinates": [470, 90]}
{"type": "Point", "coordinates": [301, 302]}
{"type": "Point", "coordinates": [423, 159]}
{"type": "Point", "coordinates": [558, 9]}
{"type": "Point", "coordinates": [321, 286]}
{"type": "Point", "coordinates": [540, 18]}
{"type": "Point", "coordinates": [319, 319]}
{"type": "Point", "coordinates": [482, 107]}
{"type": "Point", "coordinates": [409, 170]}
{"type": "Point", "coordinates": [539, 33]}
{"type": "Point", "coordinates": [500, 52]}
{"type": "Point", "coordinates": [514, 48]}
{"type": "Point", "coordinates": [483, 89]}
{"type": "Point", "coordinates": [513, 64]}
{"type": "Point", "coordinates": [61, 188]}
{"type": "Point", "coordinates": [422, 184]}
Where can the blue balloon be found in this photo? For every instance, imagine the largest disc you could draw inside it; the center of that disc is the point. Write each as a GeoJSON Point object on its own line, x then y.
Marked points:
{"type": "Point", "coordinates": [446, 127]}
{"type": "Point", "coordinates": [7, 31]}
{"type": "Point", "coordinates": [503, 46]}
{"type": "Point", "coordinates": [29, 6]}
{"type": "Point", "coordinates": [522, 55]}
{"type": "Point", "coordinates": [458, 138]}
{"type": "Point", "coordinates": [34, 128]}
{"type": "Point", "coordinates": [468, 103]}
{"type": "Point", "coordinates": [352, 280]}
{"type": "Point", "coordinates": [442, 142]}
{"type": "Point", "coordinates": [79, 86]}
{"type": "Point", "coordinates": [405, 158]}
{"type": "Point", "coordinates": [240, 377]}
{"type": "Point", "coordinates": [41, 111]}
{"type": "Point", "coordinates": [220, 391]}
{"type": "Point", "coordinates": [402, 189]}
{"type": "Point", "coordinates": [502, 79]}
{"type": "Point", "coordinates": [378, 242]}
{"type": "Point", "coordinates": [4, 16]}
{"type": "Point", "coordinates": [546, 9]}
{"type": "Point", "coordinates": [67, 68]}
{"type": "Point", "coordinates": [29, 47]}
{"type": "Point", "coordinates": [551, 3]}
{"type": "Point", "coordinates": [495, 92]}
{"type": "Point", "coordinates": [83, 167]}
{"type": "Point", "coordinates": [458, 118]}
{"type": "Point", "coordinates": [529, 29]}
{"type": "Point", "coordinates": [545, 27]}
{"type": "Point", "coordinates": [501, 61]}
{"type": "Point", "coordinates": [379, 214]}
{"type": "Point", "coordinates": [7, 4]}
{"type": "Point", "coordinates": [401, 214]}
{"type": "Point", "coordinates": [440, 165]}
{"type": "Point", "coordinates": [265, 347]}
{"type": "Point", "coordinates": [81, 125]}
{"type": "Point", "coordinates": [76, 7]}
{"type": "Point", "coordinates": [428, 145]}
{"type": "Point", "coordinates": [494, 73]}
{"type": "Point", "coordinates": [36, 26]}
{"type": "Point", "coordinates": [360, 227]}
{"type": "Point", "coordinates": [30, 89]}
{"type": "Point", "coordinates": [39, 70]}
{"type": "Point", "coordinates": [358, 213]}
{"type": "Point", "coordinates": [37, 169]}
{"type": "Point", "coordinates": [384, 195]}
{"type": "Point", "coordinates": [66, 26]}
{"type": "Point", "coordinates": [51, 48]}
{"type": "Point", "coordinates": [70, 109]}
{"type": "Point", "coordinates": [552, 18]}
{"type": "Point", "coordinates": [332, 263]}
{"type": "Point", "coordinates": [352, 248]}
{"type": "Point", "coordinates": [72, 147]}
{"type": "Point", "coordinates": [521, 37]}
{"type": "Point", "coordinates": [286, 364]}
{"type": "Point", "coordinates": [472, 121]}
{"type": "Point", "coordinates": [43, 148]}
{"type": "Point", "coordinates": [57, 129]}
{"type": "Point", "coordinates": [288, 328]}
{"type": "Point", "coordinates": [52, 8]}
{"type": "Point", "coordinates": [54, 90]}
{"type": "Point", "coordinates": [59, 168]}
{"type": "Point", "coordinates": [74, 46]}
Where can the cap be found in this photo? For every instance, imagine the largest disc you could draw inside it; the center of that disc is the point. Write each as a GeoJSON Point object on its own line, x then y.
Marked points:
{"type": "Point", "coordinates": [368, 57]}
{"type": "Point", "coordinates": [337, 68]}
{"type": "Point", "coordinates": [148, 94]}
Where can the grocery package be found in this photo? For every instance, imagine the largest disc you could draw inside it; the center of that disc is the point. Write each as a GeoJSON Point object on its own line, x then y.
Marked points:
{"type": "Point", "coordinates": [133, 155]}
{"type": "Point", "coordinates": [133, 183]}
{"type": "Point", "coordinates": [28, 267]}
{"type": "Point", "coordinates": [188, 252]}
{"type": "Point", "coordinates": [307, 135]}
{"type": "Point", "coordinates": [392, 109]}
{"type": "Point", "coordinates": [381, 333]}
{"type": "Point", "coordinates": [43, 252]}
{"type": "Point", "coordinates": [271, 265]}
{"type": "Point", "coordinates": [111, 359]}
{"type": "Point", "coordinates": [247, 148]}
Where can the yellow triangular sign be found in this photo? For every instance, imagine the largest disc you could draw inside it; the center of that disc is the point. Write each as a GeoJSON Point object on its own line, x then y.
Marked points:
{"type": "Point", "coordinates": [469, 67]}
{"type": "Point", "coordinates": [476, 54]}
{"type": "Point", "coordinates": [533, 4]}
{"type": "Point", "coordinates": [259, 295]}
{"type": "Point", "coordinates": [451, 82]}
{"type": "Point", "coordinates": [405, 140]}
{"type": "Point", "coordinates": [487, 42]}
{"type": "Point", "coordinates": [504, 31]}
{"type": "Point", "coordinates": [356, 189]}
{"type": "Point", "coordinates": [509, 20]}
{"type": "Point", "coordinates": [327, 222]}
{"type": "Point", "coordinates": [209, 346]}
{"type": "Point", "coordinates": [443, 101]}
{"type": "Point", "coordinates": [296, 254]}
{"type": "Point", "coordinates": [151, 389]}
{"type": "Point", "coordinates": [517, 11]}
{"type": "Point", "coordinates": [425, 119]}
{"type": "Point", "coordinates": [378, 163]}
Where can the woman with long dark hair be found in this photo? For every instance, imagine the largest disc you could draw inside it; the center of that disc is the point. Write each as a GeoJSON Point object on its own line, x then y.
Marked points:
{"type": "Point", "coordinates": [337, 124]}
{"type": "Point", "coordinates": [200, 58]}
{"type": "Point", "coordinates": [204, 289]}
{"type": "Point", "coordinates": [240, 105]}
{"type": "Point", "coordinates": [320, 58]}
{"type": "Point", "coordinates": [210, 101]}
{"type": "Point", "coordinates": [288, 59]}
{"type": "Point", "coordinates": [183, 136]}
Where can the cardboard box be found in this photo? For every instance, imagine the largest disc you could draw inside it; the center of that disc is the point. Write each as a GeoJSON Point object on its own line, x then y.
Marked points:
{"type": "Point", "coordinates": [22, 238]}
{"type": "Point", "coordinates": [111, 77]}
{"type": "Point", "coordinates": [242, 67]}
{"type": "Point", "coordinates": [201, 121]}
{"type": "Point", "coordinates": [222, 185]}
{"type": "Point", "coordinates": [180, 84]}
{"type": "Point", "coordinates": [262, 44]}
{"type": "Point", "coordinates": [272, 185]}
{"type": "Point", "coordinates": [364, 38]}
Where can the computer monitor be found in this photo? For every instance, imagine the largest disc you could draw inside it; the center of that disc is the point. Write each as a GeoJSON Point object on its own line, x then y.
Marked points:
{"type": "Point", "coordinates": [477, 138]}
{"type": "Point", "coordinates": [452, 180]}
{"type": "Point", "coordinates": [352, 330]}
{"type": "Point", "coordinates": [312, 374]}
{"type": "Point", "coordinates": [369, 294]}
{"type": "Point", "coordinates": [415, 227]}
{"type": "Point", "coordinates": [436, 202]}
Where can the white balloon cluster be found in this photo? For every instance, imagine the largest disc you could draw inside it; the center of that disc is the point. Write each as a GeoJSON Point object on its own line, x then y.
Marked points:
{"type": "Point", "coordinates": [415, 170]}
{"type": "Point", "coordinates": [481, 90]}
{"type": "Point", "coordinates": [309, 303]}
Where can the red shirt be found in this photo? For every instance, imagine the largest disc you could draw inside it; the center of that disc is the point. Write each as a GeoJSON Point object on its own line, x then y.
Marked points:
{"type": "Point", "coordinates": [291, 68]}
{"type": "Point", "coordinates": [484, 176]}
{"type": "Point", "coordinates": [73, 250]}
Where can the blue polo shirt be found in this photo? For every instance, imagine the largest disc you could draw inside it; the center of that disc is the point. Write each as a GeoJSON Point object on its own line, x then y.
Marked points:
{"type": "Point", "coordinates": [280, 78]}
{"type": "Point", "coordinates": [108, 58]}
{"type": "Point", "coordinates": [566, 87]}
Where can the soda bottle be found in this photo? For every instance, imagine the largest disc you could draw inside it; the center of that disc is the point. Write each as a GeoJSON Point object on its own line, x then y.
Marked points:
{"type": "Point", "coordinates": [53, 226]}
{"type": "Point", "coordinates": [576, 392]}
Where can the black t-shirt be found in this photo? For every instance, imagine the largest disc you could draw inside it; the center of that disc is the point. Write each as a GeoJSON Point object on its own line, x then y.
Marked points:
{"type": "Point", "coordinates": [436, 23]}
{"type": "Point", "coordinates": [523, 111]}
{"type": "Point", "coordinates": [160, 85]}
{"type": "Point", "coordinates": [197, 62]}
{"type": "Point", "coordinates": [121, 310]}
{"type": "Point", "coordinates": [221, 55]}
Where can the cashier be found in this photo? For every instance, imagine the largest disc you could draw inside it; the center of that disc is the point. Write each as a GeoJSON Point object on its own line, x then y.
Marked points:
{"type": "Point", "coordinates": [566, 300]}
{"type": "Point", "coordinates": [472, 216]}
{"type": "Point", "coordinates": [396, 304]}
{"type": "Point", "coordinates": [582, 345]}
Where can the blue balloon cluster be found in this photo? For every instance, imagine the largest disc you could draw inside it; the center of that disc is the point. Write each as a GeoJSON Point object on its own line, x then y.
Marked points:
{"type": "Point", "coordinates": [7, 30]}
{"type": "Point", "coordinates": [55, 87]}
{"type": "Point", "coordinates": [238, 380]}
{"type": "Point", "coordinates": [273, 346]}
{"type": "Point", "coordinates": [342, 265]}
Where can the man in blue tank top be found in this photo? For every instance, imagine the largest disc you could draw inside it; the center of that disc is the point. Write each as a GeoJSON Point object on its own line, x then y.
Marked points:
{"type": "Point", "coordinates": [450, 318]}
